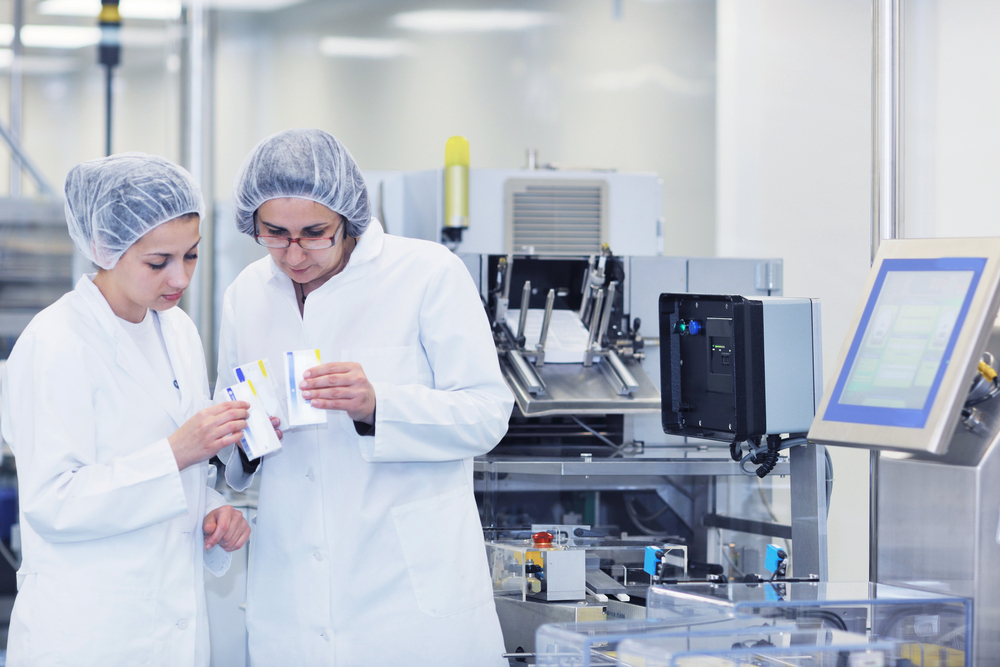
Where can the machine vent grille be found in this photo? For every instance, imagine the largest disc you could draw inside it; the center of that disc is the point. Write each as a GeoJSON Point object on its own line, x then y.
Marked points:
{"type": "Point", "coordinates": [555, 217]}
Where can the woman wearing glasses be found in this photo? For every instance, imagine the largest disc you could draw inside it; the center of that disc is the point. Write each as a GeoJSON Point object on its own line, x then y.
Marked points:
{"type": "Point", "coordinates": [368, 546]}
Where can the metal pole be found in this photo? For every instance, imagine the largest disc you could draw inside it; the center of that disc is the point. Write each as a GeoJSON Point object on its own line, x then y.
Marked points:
{"type": "Point", "coordinates": [16, 96]}
{"type": "Point", "coordinates": [197, 148]}
{"type": "Point", "coordinates": [108, 106]}
{"type": "Point", "coordinates": [29, 166]}
{"type": "Point", "coordinates": [887, 178]}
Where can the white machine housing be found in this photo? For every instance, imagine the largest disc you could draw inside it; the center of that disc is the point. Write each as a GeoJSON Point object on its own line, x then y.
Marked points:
{"type": "Point", "coordinates": [517, 210]}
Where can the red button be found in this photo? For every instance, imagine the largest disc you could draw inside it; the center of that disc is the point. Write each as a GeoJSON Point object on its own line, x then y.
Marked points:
{"type": "Point", "coordinates": [542, 539]}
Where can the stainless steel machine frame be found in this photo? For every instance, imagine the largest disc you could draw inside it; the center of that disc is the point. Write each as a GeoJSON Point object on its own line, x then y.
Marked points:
{"type": "Point", "coordinates": [699, 468]}
{"type": "Point", "coordinates": [939, 521]}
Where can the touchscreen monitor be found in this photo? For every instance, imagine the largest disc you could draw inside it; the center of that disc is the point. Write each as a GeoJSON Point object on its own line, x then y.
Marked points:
{"type": "Point", "coordinates": [904, 341]}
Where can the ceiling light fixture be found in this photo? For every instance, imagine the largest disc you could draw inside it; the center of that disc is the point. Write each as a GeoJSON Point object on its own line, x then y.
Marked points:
{"type": "Point", "coordinates": [364, 47]}
{"type": "Point", "coordinates": [52, 36]}
{"type": "Point", "coordinates": [163, 10]}
{"type": "Point", "coordinates": [472, 20]}
{"type": "Point", "coordinates": [75, 37]}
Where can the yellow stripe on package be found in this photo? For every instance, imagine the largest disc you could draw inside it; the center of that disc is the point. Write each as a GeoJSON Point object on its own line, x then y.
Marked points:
{"type": "Point", "coordinates": [300, 411]}
{"type": "Point", "coordinates": [265, 384]}
{"type": "Point", "coordinates": [259, 437]}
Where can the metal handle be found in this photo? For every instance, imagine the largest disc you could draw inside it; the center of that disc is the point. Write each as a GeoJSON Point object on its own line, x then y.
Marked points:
{"type": "Point", "coordinates": [546, 319]}
{"type": "Point", "coordinates": [526, 373]}
{"type": "Point", "coordinates": [586, 286]}
{"type": "Point", "coordinates": [588, 355]}
{"type": "Point", "coordinates": [508, 270]}
{"type": "Point", "coordinates": [525, 298]}
{"type": "Point", "coordinates": [624, 382]}
{"type": "Point", "coordinates": [549, 302]}
{"type": "Point", "coordinates": [606, 318]}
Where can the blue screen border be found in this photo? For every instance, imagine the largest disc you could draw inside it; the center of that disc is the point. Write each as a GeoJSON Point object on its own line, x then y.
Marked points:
{"type": "Point", "coordinates": [902, 417]}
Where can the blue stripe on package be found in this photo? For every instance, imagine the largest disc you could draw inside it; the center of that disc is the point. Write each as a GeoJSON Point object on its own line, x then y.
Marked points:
{"type": "Point", "coordinates": [300, 411]}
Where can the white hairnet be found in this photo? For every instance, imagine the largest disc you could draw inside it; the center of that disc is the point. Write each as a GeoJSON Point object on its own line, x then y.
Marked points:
{"type": "Point", "coordinates": [307, 164]}
{"type": "Point", "coordinates": [113, 201]}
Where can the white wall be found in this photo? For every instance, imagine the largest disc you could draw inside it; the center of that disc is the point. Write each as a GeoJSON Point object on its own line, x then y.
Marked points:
{"type": "Point", "coordinates": [794, 161]}
{"type": "Point", "coordinates": [794, 181]}
{"type": "Point", "coordinates": [634, 93]}
{"type": "Point", "coordinates": [952, 98]}
{"type": "Point", "coordinates": [63, 104]}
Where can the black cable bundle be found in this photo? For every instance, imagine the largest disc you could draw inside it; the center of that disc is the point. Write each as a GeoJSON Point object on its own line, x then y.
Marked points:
{"type": "Point", "coordinates": [767, 460]}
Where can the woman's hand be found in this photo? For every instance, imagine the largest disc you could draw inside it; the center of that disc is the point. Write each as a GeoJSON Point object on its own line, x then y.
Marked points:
{"type": "Point", "coordinates": [208, 431]}
{"type": "Point", "coordinates": [227, 527]}
{"type": "Point", "coordinates": [340, 385]}
{"type": "Point", "coordinates": [275, 423]}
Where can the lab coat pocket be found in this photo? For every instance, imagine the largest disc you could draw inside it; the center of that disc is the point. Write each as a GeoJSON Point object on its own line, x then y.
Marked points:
{"type": "Point", "coordinates": [394, 365]}
{"type": "Point", "coordinates": [89, 619]}
{"type": "Point", "coordinates": [442, 542]}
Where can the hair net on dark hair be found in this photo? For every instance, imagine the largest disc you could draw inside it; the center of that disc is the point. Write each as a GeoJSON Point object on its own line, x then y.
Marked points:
{"type": "Point", "coordinates": [113, 201]}
{"type": "Point", "coordinates": [307, 164]}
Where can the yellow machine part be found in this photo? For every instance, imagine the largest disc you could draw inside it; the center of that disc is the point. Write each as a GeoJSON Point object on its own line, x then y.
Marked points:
{"type": "Point", "coordinates": [931, 655]}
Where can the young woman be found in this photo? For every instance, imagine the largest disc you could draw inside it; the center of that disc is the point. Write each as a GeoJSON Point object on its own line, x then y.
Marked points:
{"type": "Point", "coordinates": [105, 397]}
{"type": "Point", "coordinates": [368, 547]}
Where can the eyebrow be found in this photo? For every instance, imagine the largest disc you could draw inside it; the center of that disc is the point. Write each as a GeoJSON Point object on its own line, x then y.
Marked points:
{"type": "Point", "coordinates": [167, 254]}
{"type": "Point", "coordinates": [315, 227]}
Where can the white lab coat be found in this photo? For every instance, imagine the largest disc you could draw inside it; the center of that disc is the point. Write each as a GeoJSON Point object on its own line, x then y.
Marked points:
{"type": "Point", "coordinates": [111, 531]}
{"type": "Point", "coordinates": [369, 550]}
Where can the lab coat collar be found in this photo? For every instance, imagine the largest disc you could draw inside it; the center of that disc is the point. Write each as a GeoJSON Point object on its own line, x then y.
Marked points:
{"type": "Point", "coordinates": [369, 247]}
{"type": "Point", "coordinates": [131, 359]}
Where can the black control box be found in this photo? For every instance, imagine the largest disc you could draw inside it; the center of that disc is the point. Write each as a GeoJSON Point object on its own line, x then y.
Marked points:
{"type": "Point", "coordinates": [712, 366]}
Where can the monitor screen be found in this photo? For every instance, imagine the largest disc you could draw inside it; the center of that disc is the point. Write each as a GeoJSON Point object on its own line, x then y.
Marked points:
{"type": "Point", "coordinates": [904, 341]}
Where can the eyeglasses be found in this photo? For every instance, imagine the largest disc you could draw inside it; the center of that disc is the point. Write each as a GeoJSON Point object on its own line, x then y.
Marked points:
{"type": "Point", "coordinates": [320, 243]}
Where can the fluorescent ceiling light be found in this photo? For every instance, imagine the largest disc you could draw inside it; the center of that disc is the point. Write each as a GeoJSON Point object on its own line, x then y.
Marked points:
{"type": "Point", "coordinates": [360, 47]}
{"type": "Point", "coordinates": [648, 75]}
{"type": "Point", "coordinates": [251, 5]}
{"type": "Point", "coordinates": [164, 10]}
{"type": "Point", "coordinates": [75, 37]}
{"type": "Point", "coordinates": [59, 36]}
{"type": "Point", "coordinates": [472, 20]}
{"type": "Point", "coordinates": [39, 64]}
{"type": "Point", "coordinates": [54, 36]}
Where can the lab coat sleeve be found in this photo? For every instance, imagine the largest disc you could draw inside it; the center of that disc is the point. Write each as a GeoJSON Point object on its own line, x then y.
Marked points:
{"type": "Point", "coordinates": [466, 411]}
{"type": "Point", "coordinates": [236, 476]}
{"type": "Point", "coordinates": [213, 499]}
{"type": "Point", "coordinates": [66, 493]}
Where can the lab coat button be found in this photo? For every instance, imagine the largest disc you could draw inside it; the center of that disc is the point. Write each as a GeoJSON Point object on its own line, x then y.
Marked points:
{"type": "Point", "coordinates": [310, 475]}
{"type": "Point", "coordinates": [182, 624]}
{"type": "Point", "coordinates": [318, 555]}
{"type": "Point", "coordinates": [325, 635]}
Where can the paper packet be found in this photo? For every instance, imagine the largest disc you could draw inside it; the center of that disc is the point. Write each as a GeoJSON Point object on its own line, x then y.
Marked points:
{"type": "Point", "coordinates": [300, 411]}
{"type": "Point", "coordinates": [259, 437]}
{"type": "Point", "coordinates": [265, 384]}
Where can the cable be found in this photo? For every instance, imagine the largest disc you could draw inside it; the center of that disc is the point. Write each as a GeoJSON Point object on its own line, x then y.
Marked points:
{"type": "Point", "coordinates": [764, 454]}
{"type": "Point", "coordinates": [651, 517]}
{"type": "Point", "coordinates": [829, 479]}
{"type": "Point", "coordinates": [604, 439]}
{"type": "Point", "coordinates": [986, 376]}
{"type": "Point", "coordinates": [634, 516]}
